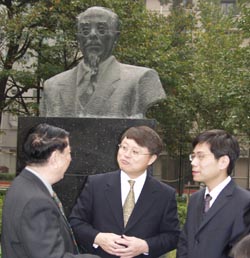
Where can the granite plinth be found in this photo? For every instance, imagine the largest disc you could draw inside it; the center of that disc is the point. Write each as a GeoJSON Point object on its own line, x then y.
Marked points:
{"type": "Point", "coordinates": [94, 143]}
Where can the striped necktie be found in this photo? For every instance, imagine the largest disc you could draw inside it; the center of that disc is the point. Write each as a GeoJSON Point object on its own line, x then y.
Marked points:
{"type": "Point", "coordinates": [59, 204]}
{"type": "Point", "coordinates": [208, 198]}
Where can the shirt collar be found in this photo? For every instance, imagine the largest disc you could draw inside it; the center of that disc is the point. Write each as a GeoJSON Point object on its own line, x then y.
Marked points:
{"type": "Point", "coordinates": [48, 186]}
{"type": "Point", "coordinates": [216, 191]}
{"type": "Point", "coordinates": [138, 186]}
{"type": "Point", "coordinates": [140, 179]}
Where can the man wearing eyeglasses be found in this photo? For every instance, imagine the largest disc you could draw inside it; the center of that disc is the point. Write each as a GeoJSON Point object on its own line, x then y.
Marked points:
{"type": "Point", "coordinates": [100, 86]}
{"type": "Point", "coordinates": [102, 220]}
{"type": "Point", "coordinates": [218, 215]}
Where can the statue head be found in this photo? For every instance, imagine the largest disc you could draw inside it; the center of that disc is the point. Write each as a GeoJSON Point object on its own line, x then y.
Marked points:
{"type": "Point", "coordinates": [98, 31]}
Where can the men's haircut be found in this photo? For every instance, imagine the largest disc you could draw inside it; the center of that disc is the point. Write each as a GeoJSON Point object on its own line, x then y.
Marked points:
{"type": "Point", "coordinates": [115, 21]}
{"type": "Point", "coordinates": [242, 248]}
{"type": "Point", "coordinates": [41, 141]}
{"type": "Point", "coordinates": [221, 143]}
{"type": "Point", "coordinates": [145, 137]}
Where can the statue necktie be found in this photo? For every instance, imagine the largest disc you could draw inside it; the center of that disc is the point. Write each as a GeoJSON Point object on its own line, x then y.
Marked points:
{"type": "Point", "coordinates": [208, 198]}
{"type": "Point", "coordinates": [59, 204]}
{"type": "Point", "coordinates": [87, 88]}
{"type": "Point", "coordinates": [129, 203]}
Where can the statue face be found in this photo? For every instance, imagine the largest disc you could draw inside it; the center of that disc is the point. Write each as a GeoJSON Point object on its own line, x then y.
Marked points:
{"type": "Point", "coordinates": [96, 35]}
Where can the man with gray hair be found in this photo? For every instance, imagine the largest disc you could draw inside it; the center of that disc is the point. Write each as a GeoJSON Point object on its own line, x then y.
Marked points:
{"type": "Point", "coordinates": [100, 86]}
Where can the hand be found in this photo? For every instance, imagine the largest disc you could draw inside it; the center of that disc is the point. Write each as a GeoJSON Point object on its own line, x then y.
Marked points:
{"type": "Point", "coordinates": [134, 246]}
{"type": "Point", "coordinates": [108, 242]}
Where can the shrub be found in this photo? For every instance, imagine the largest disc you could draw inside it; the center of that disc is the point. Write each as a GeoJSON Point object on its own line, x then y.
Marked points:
{"type": "Point", "coordinates": [182, 210]}
{"type": "Point", "coordinates": [2, 195]}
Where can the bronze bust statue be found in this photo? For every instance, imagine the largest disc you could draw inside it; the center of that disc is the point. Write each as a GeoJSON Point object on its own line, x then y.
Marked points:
{"type": "Point", "coordinates": [100, 86]}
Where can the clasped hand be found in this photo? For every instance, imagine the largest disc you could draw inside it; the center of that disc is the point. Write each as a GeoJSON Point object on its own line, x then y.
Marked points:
{"type": "Point", "coordinates": [122, 246]}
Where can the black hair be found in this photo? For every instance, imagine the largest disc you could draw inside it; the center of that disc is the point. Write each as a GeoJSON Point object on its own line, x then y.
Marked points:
{"type": "Point", "coordinates": [145, 137]}
{"type": "Point", "coordinates": [221, 143]}
{"type": "Point", "coordinates": [41, 141]}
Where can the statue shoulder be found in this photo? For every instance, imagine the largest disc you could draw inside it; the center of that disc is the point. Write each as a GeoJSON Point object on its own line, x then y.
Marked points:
{"type": "Point", "coordinates": [64, 78]}
{"type": "Point", "coordinates": [137, 70]}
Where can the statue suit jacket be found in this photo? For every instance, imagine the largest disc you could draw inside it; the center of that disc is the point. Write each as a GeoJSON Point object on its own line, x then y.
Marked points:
{"type": "Point", "coordinates": [32, 225]}
{"type": "Point", "coordinates": [99, 209]}
{"type": "Point", "coordinates": [121, 90]}
{"type": "Point", "coordinates": [213, 234]}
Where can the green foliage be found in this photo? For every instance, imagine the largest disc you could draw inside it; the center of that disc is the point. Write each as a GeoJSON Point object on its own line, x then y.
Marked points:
{"type": "Point", "coordinates": [7, 176]}
{"type": "Point", "coordinates": [182, 210]}
{"type": "Point", "coordinates": [211, 89]}
{"type": "Point", "coordinates": [2, 195]}
{"type": "Point", "coordinates": [220, 92]}
{"type": "Point", "coordinates": [174, 115]}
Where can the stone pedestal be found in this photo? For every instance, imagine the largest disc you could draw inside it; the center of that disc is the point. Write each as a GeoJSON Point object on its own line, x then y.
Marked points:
{"type": "Point", "coordinates": [94, 144]}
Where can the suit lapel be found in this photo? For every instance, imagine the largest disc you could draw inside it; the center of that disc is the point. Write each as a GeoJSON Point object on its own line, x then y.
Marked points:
{"type": "Point", "coordinates": [219, 203]}
{"type": "Point", "coordinates": [113, 196]}
{"type": "Point", "coordinates": [112, 193]}
{"type": "Point", "coordinates": [200, 208]}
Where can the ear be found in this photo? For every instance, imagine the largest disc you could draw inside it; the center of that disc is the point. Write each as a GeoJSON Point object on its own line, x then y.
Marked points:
{"type": "Point", "coordinates": [53, 158]}
{"type": "Point", "coordinates": [152, 159]}
{"type": "Point", "coordinates": [224, 162]}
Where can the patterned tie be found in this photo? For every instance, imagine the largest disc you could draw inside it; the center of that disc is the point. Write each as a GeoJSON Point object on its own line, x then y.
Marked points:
{"type": "Point", "coordinates": [208, 198]}
{"type": "Point", "coordinates": [87, 90]}
{"type": "Point", "coordinates": [87, 85]}
{"type": "Point", "coordinates": [129, 203]}
{"type": "Point", "coordinates": [59, 204]}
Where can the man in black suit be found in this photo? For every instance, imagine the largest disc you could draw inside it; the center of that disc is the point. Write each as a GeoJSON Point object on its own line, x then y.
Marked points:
{"type": "Point", "coordinates": [214, 225]}
{"type": "Point", "coordinates": [33, 223]}
{"type": "Point", "coordinates": [97, 219]}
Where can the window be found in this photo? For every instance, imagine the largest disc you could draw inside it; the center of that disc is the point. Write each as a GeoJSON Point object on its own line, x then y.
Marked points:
{"type": "Point", "coordinates": [228, 6]}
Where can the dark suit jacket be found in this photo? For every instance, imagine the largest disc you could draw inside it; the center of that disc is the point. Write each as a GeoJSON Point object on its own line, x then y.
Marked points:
{"type": "Point", "coordinates": [121, 91]}
{"type": "Point", "coordinates": [212, 235]}
{"type": "Point", "coordinates": [32, 224]}
{"type": "Point", "coordinates": [99, 209]}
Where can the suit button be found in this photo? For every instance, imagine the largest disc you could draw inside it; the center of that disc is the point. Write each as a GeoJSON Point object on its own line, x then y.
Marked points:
{"type": "Point", "coordinates": [197, 241]}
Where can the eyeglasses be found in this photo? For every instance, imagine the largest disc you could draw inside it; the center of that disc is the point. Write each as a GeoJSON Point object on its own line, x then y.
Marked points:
{"type": "Point", "coordinates": [99, 32]}
{"type": "Point", "coordinates": [134, 153]}
{"type": "Point", "coordinates": [199, 156]}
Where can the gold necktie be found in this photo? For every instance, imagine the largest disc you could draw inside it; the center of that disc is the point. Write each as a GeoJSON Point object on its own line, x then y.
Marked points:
{"type": "Point", "coordinates": [129, 203]}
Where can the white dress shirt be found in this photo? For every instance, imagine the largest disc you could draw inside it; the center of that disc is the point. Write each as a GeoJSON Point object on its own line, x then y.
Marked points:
{"type": "Point", "coordinates": [217, 190]}
{"type": "Point", "coordinates": [125, 186]}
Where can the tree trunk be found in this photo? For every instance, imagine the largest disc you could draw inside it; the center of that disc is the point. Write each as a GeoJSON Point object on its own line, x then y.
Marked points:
{"type": "Point", "coordinates": [3, 84]}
